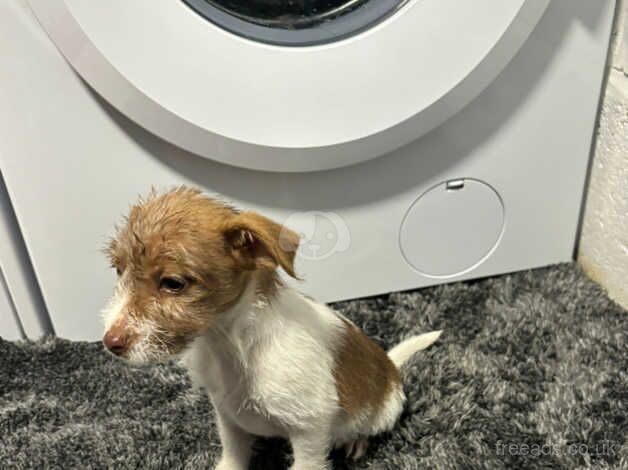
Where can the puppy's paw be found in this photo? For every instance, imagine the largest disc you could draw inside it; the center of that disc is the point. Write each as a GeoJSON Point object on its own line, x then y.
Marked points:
{"type": "Point", "coordinates": [230, 464]}
{"type": "Point", "coordinates": [355, 450]}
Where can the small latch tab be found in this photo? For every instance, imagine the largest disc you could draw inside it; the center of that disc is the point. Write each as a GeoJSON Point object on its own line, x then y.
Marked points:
{"type": "Point", "coordinates": [454, 185]}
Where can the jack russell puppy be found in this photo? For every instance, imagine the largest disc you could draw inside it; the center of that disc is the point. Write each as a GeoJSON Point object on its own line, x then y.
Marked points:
{"type": "Point", "coordinates": [198, 280]}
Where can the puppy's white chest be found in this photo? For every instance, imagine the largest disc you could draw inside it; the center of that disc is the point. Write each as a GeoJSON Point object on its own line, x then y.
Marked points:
{"type": "Point", "coordinates": [229, 390]}
{"type": "Point", "coordinates": [254, 420]}
{"type": "Point", "coordinates": [232, 398]}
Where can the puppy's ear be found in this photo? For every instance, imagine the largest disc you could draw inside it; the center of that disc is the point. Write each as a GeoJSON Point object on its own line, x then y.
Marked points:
{"type": "Point", "coordinates": [261, 243]}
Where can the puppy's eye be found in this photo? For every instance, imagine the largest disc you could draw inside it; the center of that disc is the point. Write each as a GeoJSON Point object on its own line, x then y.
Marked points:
{"type": "Point", "coordinates": [118, 271]}
{"type": "Point", "coordinates": [172, 284]}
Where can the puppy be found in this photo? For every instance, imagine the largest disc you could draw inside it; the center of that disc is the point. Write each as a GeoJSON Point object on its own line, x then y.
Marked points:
{"type": "Point", "coordinates": [198, 280]}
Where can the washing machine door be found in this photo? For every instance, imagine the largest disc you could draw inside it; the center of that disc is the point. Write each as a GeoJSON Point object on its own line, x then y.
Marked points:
{"type": "Point", "coordinates": [295, 85]}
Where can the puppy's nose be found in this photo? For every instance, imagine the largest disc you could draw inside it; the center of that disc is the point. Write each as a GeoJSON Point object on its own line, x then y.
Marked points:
{"type": "Point", "coordinates": [115, 342]}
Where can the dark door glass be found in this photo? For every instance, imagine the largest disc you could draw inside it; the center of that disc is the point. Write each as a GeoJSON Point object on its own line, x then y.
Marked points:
{"type": "Point", "coordinates": [295, 22]}
{"type": "Point", "coordinates": [287, 14]}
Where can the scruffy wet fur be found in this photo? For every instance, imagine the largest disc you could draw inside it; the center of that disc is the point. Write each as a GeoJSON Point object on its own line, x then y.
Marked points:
{"type": "Point", "coordinates": [198, 280]}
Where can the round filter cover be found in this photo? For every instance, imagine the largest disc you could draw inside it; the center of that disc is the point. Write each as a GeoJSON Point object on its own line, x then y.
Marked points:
{"type": "Point", "coordinates": [452, 228]}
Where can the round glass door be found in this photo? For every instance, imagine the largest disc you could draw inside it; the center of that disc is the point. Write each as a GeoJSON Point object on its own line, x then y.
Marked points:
{"type": "Point", "coordinates": [295, 22]}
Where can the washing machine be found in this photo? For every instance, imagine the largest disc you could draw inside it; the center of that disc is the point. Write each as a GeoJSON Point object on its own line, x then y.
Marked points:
{"type": "Point", "coordinates": [410, 142]}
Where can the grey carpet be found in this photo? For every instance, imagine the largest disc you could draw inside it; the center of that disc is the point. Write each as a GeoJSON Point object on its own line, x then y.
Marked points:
{"type": "Point", "coordinates": [530, 373]}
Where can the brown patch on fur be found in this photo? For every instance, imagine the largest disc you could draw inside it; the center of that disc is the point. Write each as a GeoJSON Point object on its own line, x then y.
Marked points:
{"type": "Point", "coordinates": [363, 372]}
{"type": "Point", "coordinates": [214, 248]}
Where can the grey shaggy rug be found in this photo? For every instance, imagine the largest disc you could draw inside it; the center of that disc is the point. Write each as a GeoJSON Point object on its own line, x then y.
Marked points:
{"type": "Point", "coordinates": [531, 372]}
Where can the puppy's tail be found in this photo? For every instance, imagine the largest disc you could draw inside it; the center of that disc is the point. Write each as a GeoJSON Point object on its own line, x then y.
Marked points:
{"type": "Point", "coordinates": [406, 349]}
